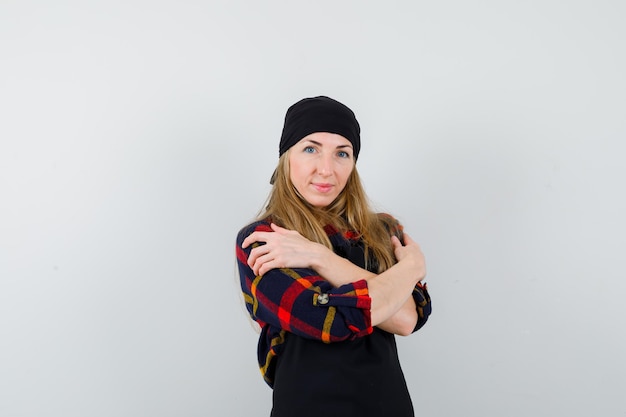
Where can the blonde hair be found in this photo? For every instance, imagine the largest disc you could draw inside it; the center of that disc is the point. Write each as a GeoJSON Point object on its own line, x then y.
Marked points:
{"type": "Point", "coordinates": [349, 212]}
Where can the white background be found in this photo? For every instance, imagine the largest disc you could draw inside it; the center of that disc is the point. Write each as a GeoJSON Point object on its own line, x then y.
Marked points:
{"type": "Point", "coordinates": [137, 137]}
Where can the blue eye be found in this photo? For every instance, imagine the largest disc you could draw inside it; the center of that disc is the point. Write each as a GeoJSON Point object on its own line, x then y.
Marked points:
{"type": "Point", "coordinates": [343, 154]}
{"type": "Point", "coordinates": [309, 149]}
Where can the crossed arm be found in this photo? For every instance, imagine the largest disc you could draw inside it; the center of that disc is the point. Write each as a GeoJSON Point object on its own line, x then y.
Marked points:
{"type": "Point", "coordinates": [392, 306]}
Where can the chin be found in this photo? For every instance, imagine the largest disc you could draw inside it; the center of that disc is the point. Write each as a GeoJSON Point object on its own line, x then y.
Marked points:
{"type": "Point", "coordinates": [320, 203]}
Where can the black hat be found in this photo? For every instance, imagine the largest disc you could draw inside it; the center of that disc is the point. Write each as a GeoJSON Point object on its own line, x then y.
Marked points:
{"type": "Point", "coordinates": [319, 114]}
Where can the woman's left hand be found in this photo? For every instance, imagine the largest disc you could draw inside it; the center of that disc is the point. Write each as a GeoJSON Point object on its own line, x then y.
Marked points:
{"type": "Point", "coordinates": [283, 248]}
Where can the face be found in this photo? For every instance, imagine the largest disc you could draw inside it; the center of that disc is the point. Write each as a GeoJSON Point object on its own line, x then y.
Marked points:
{"type": "Point", "coordinates": [320, 165]}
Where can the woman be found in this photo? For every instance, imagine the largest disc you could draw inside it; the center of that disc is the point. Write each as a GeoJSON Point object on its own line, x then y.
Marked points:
{"type": "Point", "coordinates": [328, 280]}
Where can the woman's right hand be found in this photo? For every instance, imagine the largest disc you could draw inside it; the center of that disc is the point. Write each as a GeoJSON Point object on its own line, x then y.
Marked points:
{"type": "Point", "coordinates": [283, 248]}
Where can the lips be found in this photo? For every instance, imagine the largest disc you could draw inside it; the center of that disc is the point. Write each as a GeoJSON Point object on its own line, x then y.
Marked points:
{"type": "Point", "coordinates": [322, 188]}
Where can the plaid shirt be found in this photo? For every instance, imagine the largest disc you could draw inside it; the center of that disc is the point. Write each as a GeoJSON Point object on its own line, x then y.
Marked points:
{"type": "Point", "coordinates": [299, 301]}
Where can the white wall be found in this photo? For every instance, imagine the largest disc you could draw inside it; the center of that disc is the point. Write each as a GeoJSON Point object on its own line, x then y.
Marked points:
{"type": "Point", "coordinates": [137, 137]}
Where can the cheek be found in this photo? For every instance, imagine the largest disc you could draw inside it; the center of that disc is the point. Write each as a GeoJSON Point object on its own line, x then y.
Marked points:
{"type": "Point", "coordinates": [345, 174]}
{"type": "Point", "coordinates": [297, 174]}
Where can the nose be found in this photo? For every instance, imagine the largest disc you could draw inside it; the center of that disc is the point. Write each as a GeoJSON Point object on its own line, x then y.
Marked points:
{"type": "Point", "coordinates": [325, 165]}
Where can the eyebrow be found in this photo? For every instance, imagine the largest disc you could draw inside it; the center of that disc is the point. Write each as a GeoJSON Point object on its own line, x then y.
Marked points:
{"type": "Point", "coordinates": [349, 145]}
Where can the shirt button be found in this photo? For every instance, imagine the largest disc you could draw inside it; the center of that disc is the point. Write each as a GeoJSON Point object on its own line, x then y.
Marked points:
{"type": "Point", "coordinates": [322, 299]}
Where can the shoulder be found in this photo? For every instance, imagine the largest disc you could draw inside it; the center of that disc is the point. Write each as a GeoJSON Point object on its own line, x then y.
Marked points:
{"type": "Point", "coordinates": [256, 226]}
{"type": "Point", "coordinates": [388, 219]}
{"type": "Point", "coordinates": [389, 222]}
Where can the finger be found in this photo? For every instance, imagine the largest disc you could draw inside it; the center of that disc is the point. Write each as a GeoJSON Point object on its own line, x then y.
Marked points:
{"type": "Point", "coordinates": [257, 253]}
{"type": "Point", "coordinates": [408, 240]}
{"type": "Point", "coordinates": [395, 242]}
{"type": "Point", "coordinates": [259, 262]}
{"type": "Point", "coordinates": [254, 237]}
{"type": "Point", "coordinates": [277, 228]}
{"type": "Point", "coordinates": [252, 260]}
{"type": "Point", "coordinates": [250, 239]}
{"type": "Point", "coordinates": [266, 266]}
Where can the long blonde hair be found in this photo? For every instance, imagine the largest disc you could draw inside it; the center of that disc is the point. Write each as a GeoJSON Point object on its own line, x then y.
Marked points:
{"type": "Point", "coordinates": [349, 212]}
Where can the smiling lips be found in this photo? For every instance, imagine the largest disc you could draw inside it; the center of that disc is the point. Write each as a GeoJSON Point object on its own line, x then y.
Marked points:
{"type": "Point", "coordinates": [322, 187]}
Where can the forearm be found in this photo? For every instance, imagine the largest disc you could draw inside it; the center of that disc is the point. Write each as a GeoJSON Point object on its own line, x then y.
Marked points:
{"type": "Point", "coordinates": [393, 307]}
{"type": "Point", "coordinates": [391, 291]}
{"type": "Point", "coordinates": [403, 321]}
{"type": "Point", "coordinates": [336, 270]}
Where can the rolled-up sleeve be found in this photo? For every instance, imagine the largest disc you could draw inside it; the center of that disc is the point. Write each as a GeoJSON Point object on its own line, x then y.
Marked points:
{"type": "Point", "coordinates": [299, 301]}
{"type": "Point", "coordinates": [423, 304]}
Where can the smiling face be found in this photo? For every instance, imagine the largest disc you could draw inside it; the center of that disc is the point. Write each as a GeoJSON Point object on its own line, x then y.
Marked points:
{"type": "Point", "coordinates": [319, 167]}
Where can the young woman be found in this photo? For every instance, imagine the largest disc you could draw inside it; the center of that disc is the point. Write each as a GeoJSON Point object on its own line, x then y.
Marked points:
{"type": "Point", "coordinates": [329, 281]}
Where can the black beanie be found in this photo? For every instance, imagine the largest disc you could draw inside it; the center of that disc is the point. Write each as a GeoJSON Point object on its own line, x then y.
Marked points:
{"type": "Point", "coordinates": [319, 114]}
